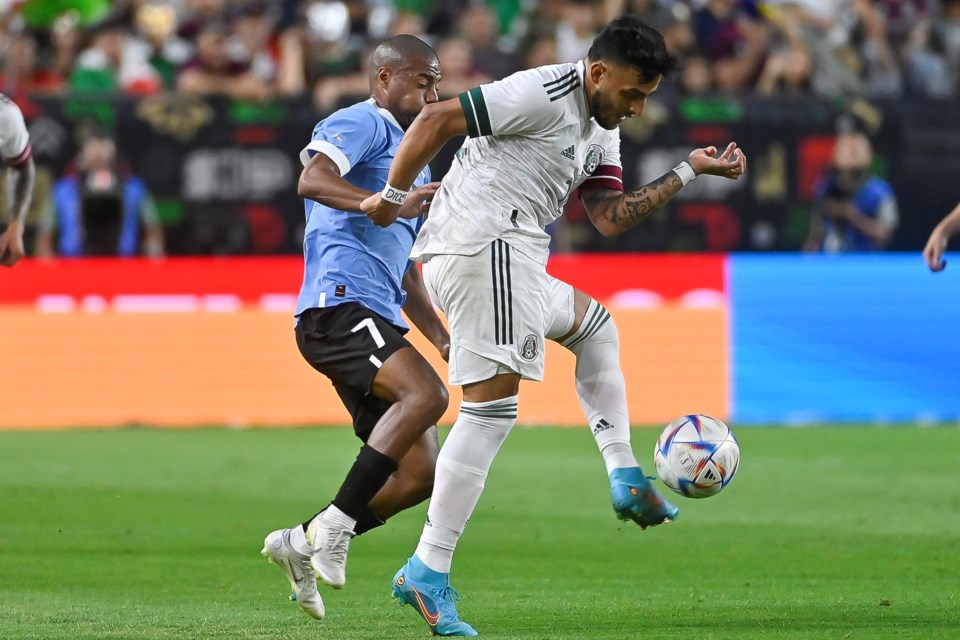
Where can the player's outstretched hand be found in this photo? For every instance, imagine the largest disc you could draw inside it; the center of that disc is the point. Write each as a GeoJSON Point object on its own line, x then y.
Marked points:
{"type": "Point", "coordinates": [729, 164]}
{"type": "Point", "coordinates": [933, 252]}
{"type": "Point", "coordinates": [11, 245]}
{"type": "Point", "coordinates": [418, 201]}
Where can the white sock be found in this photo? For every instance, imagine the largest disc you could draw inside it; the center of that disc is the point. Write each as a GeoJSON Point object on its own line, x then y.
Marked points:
{"type": "Point", "coordinates": [298, 540]}
{"type": "Point", "coordinates": [462, 468]}
{"type": "Point", "coordinates": [338, 518]}
{"type": "Point", "coordinates": [600, 386]}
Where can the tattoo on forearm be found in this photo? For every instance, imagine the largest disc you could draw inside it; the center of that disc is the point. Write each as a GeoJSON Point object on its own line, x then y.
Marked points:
{"type": "Point", "coordinates": [638, 204]}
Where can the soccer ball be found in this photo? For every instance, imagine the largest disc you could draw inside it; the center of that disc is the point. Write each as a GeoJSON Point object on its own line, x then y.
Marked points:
{"type": "Point", "coordinates": [697, 456]}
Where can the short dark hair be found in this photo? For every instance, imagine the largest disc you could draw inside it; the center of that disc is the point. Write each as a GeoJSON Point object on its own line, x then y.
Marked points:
{"type": "Point", "coordinates": [398, 50]}
{"type": "Point", "coordinates": [630, 41]}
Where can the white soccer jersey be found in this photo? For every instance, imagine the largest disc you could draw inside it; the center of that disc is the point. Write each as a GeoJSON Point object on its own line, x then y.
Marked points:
{"type": "Point", "coordinates": [532, 143]}
{"type": "Point", "coordinates": [14, 139]}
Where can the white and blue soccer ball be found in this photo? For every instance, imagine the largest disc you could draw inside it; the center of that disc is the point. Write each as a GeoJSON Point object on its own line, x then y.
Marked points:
{"type": "Point", "coordinates": [697, 456]}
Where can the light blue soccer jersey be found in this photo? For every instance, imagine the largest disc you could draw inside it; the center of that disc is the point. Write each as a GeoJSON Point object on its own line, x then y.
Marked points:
{"type": "Point", "coordinates": [346, 257]}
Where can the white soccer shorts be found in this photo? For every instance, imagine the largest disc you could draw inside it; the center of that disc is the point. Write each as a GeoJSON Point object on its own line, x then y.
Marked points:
{"type": "Point", "coordinates": [500, 305]}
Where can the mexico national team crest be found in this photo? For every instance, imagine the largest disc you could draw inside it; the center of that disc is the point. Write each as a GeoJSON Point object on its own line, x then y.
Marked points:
{"type": "Point", "coordinates": [593, 159]}
{"type": "Point", "coordinates": [529, 348]}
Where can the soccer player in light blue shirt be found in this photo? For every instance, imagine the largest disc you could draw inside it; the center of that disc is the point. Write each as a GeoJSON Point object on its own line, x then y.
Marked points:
{"type": "Point", "coordinates": [357, 276]}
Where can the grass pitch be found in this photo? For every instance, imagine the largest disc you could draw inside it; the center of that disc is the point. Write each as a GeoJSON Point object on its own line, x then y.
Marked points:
{"type": "Point", "coordinates": [826, 533]}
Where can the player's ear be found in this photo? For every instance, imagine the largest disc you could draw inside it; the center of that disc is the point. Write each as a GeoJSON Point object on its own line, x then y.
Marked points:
{"type": "Point", "coordinates": [596, 71]}
{"type": "Point", "coordinates": [383, 75]}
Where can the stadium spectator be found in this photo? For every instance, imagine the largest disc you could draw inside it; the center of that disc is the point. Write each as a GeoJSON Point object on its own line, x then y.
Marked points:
{"type": "Point", "coordinates": [15, 151]}
{"type": "Point", "coordinates": [116, 61]}
{"type": "Point", "coordinates": [902, 17]}
{"type": "Point", "coordinates": [314, 47]}
{"type": "Point", "coordinates": [459, 70]}
{"type": "Point", "coordinates": [156, 23]}
{"type": "Point", "coordinates": [346, 79]}
{"type": "Point", "coordinates": [100, 209]}
{"type": "Point", "coordinates": [880, 69]}
{"type": "Point", "coordinates": [213, 72]}
{"type": "Point", "coordinates": [575, 31]}
{"type": "Point", "coordinates": [678, 33]}
{"type": "Point", "coordinates": [254, 42]}
{"type": "Point", "coordinates": [696, 77]}
{"type": "Point", "coordinates": [789, 70]}
{"type": "Point", "coordinates": [541, 51]}
{"type": "Point", "coordinates": [66, 42]}
{"type": "Point", "coordinates": [926, 68]}
{"type": "Point", "coordinates": [948, 32]}
{"type": "Point", "coordinates": [478, 25]}
{"type": "Point", "coordinates": [197, 15]}
{"type": "Point", "coordinates": [654, 12]}
{"type": "Point", "coordinates": [22, 72]}
{"type": "Point", "coordinates": [937, 243]}
{"type": "Point", "coordinates": [853, 211]}
{"type": "Point", "coordinates": [735, 40]}
{"type": "Point", "coordinates": [407, 23]}
{"type": "Point", "coordinates": [333, 63]}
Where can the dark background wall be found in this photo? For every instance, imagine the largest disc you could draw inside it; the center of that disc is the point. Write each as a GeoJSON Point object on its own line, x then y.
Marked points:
{"type": "Point", "coordinates": [224, 173]}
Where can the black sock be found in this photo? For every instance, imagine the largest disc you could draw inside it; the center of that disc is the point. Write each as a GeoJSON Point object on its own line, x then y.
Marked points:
{"type": "Point", "coordinates": [368, 520]}
{"type": "Point", "coordinates": [366, 477]}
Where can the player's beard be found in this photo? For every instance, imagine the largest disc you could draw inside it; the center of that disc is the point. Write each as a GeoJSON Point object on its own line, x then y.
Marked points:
{"type": "Point", "coordinates": [603, 111]}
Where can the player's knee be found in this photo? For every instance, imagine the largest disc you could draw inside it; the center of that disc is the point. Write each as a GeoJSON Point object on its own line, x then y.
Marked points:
{"type": "Point", "coordinates": [609, 332]}
{"type": "Point", "coordinates": [597, 328]}
{"type": "Point", "coordinates": [430, 400]}
{"type": "Point", "coordinates": [438, 399]}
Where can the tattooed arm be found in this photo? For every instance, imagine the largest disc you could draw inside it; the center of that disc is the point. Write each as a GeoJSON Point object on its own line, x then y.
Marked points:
{"type": "Point", "coordinates": [613, 212]}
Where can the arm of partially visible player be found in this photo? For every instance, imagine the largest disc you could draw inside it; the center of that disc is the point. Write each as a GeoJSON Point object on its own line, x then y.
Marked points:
{"type": "Point", "coordinates": [435, 125]}
{"type": "Point", "coordinates": [613, 212]}
{"type": "Point", "coordinates": [22, 177]}
{"type": "Point", "coordinates": [937, 243]}
{"type": "Point", "coordinates": [421, 312]}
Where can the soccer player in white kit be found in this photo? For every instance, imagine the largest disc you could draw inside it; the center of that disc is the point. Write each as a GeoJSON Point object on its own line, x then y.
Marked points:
{"type": "Point", "coordinates": [16, 153]}
{"type": "Point", "coordinates": [534, 138]}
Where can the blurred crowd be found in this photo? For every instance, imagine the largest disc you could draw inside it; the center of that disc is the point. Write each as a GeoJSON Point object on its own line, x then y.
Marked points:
{"type": "Point", "coordinates": [259, 49]}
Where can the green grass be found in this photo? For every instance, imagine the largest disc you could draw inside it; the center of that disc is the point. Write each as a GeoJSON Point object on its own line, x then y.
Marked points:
{"type": "Point", "coordinates": [849, 532]}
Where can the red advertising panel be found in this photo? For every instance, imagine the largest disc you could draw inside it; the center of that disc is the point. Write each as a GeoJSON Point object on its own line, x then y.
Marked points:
{"type": "Point", "coordinates": [183, 342]}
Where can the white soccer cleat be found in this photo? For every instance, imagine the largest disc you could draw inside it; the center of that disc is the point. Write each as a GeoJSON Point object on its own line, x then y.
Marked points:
{"type": "Point", "coordinates": [330, 545]}
{"type": "Point", "coordinates": [278, 550]}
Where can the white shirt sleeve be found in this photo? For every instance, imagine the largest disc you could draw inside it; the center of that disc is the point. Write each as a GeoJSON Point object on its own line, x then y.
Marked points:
{"type": "Point", "coordinates": [348, 137]}
{"type": "Point", "coordinates": [14, 139]}
{"type": "Point", "coordinates": [525, 102]}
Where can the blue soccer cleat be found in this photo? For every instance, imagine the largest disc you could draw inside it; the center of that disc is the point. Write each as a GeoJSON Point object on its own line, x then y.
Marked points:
{"type": "Point", "coordinates": [430, 593]}
{"type": "Point", "coordinates": [634, 498]}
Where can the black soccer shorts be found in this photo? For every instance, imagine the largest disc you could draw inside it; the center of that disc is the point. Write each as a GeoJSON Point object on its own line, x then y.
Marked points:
{"type": "Point", "coordinates": [348, 343]}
